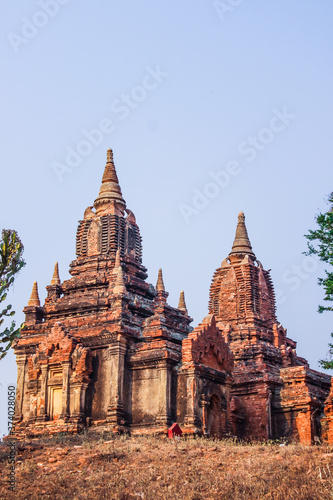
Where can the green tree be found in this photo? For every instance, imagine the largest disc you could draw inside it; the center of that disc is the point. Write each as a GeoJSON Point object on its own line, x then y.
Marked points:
{"type": "Point", "coordinates": [11, 262]}
{"type": "Point", "coordinates": [320, 243]}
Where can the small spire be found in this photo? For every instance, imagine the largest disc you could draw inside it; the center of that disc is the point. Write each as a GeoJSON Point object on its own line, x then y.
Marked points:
{"type": "Point", "coordinates": [242, 243]}
{"type": "Point", "coordinates": [181, 303]}
{"type": "Point", "coordinates": [119, 286]}
{"type": "Point", "coordinates": [160, 285]}
{"type": "Point", "coordinates": [55, 278]}
{"type": "Point", "coordinates": [225, 263]}
{"type": "Point", "coordinates": [110, 190]}
{"type": "Point", "coordinates": [34, 299]}
{"type": "Point", "coordinates": [117, 261]}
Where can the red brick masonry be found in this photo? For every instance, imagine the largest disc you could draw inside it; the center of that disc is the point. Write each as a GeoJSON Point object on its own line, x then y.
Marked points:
{"type": "Point", "coordinates": [107, 350]}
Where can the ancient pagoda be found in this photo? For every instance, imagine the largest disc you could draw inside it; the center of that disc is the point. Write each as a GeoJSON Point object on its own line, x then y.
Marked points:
{"type": "Point", "coordinates": [275, 393]}
{"type": "Point", "coordinates": [107, 351]}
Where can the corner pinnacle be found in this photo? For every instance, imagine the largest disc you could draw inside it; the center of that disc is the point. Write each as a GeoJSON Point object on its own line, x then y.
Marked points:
{"type": "Point", "coordinates": [55, 278]}
{"type": "Point", "coordinates": [34, 298]}
{"type": "Point", "coordinates": [160, 284]}
{"type": "Point", "coordinates": [181, 303]}
{"type": "Point", "coordinates": [119, 286]}
{"type": "Point", "coordinates": [117, 261]}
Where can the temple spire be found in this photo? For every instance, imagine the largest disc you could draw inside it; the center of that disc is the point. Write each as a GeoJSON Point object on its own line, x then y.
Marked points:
{"type": "Point", "coordinates": [160, 285]}
{"type": "Point", "coordinates": [242, 245]}
{"type": "Point", "coordinates": [34, 298]}
{"type": "Point", "coordinates": [55, 278]}
{"type": "Point", "coordinates": [110, 192]}
{"type": "Point", "coordinates": [181, 303]}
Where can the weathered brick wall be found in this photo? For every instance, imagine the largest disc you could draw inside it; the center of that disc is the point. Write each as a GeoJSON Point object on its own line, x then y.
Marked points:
{"type": "Point", "coordinates": [299, 404]}
{"type": "Point", "coordinates": [268, 401]}
{"type": "Point", "coordinates": [107, 347]}
{"type": "Point", "coordinates": [99, 389]}
{"type": "Point", "coordinates": [181, 404]}
{"type": "Point", "coordinates": [329, 415]}
{"type": "Point", "coordinates": [253, 407]}
{"type": "Point", "coordinates": [204, 381]}
{"type": "Point", "coordinates": [146, 391]}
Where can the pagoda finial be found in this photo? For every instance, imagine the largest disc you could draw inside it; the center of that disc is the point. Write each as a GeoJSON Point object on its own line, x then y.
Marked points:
{"type": "Point", "coordinates": [34, 298]}
{"type": "Point", "coordinates": [110, 191]}
{"type": "Point", "coordinates": [109, 156]}
{"type": "Point", "coordinates": [160, 284]}
{"type": "Point", "coordinates": [242, 243]}
{"type": "Point", "coordinates": [55, 278]}
{"type": "Point", "coordinates": [182, 303]}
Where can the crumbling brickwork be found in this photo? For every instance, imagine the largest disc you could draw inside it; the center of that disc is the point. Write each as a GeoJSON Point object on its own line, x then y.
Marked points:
{"type": "Point", "coordinates": [329, 415]}
{"type": "Point", "coordinates": [276, 394]}
{"type": "Point", "coordinates": [107, 350]}
{"type": "Point", "coordinates": [205, 379]}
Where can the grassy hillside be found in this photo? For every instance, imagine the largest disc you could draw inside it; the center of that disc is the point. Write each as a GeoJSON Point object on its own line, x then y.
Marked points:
{"type": "Point", "coordinates": [90, 466]}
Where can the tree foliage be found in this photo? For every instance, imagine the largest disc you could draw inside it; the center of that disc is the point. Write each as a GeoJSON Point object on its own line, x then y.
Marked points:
{"type": "Point", "coordinates": [320, 243]}
{"type": "Point", "coordinates": [11, 262]}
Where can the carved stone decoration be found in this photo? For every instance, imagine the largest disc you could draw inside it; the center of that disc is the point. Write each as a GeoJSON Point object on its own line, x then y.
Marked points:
{"type": "Point", "coordinates": [81, 364]}
{"type": "Point", "coordinates": [94, 238]}
{"type": "Point", "coordinates": [89, 213]}
{"type": "Point", "coordinates": [34, 367]}
{"type": "Point", "coordinates": [57, 346]}
{"type": "Point", "coordinates": [206, 346]}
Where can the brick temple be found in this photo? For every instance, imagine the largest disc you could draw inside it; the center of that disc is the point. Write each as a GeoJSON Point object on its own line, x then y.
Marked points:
{"type": "Point", "coordinates": [107, 351]}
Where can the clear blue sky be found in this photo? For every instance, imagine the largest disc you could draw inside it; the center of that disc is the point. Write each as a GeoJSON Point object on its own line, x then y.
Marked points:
{"type": "Point", "coordinates": [210, 108]}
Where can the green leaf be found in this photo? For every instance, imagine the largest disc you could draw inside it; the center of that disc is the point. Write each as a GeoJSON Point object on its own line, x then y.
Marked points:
{"type": "Point", "coordinates": [322, 237]}
{"type": "Point", "coordinates": [11, 262]}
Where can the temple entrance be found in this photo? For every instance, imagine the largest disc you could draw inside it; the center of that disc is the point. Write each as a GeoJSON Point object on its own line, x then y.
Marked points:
{"type": "Point", "coordinates": [215, 418]}
{"type": "Point", "coordinates": [56, 403]}
{"type": "Point", "coordinates": [316, 430]}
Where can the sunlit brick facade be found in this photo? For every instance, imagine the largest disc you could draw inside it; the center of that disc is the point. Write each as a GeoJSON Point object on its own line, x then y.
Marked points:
{"type": "Point", "coordinates": [107, 351]}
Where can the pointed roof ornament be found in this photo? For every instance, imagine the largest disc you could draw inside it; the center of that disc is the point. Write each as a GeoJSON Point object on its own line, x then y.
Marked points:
{"type": "Point", "coordinates": [181, 303]}
{"type": "Point", "coordinates": [160, 285]}
{"type": "Point", "coordinates": [247, 260]}
{"type": "Point", "coordinates": [242, 243]}
{"type": "Point", "coordinates": [110, 190]}
{"type": "Point", "coordinates": [117, 263]}
{"type": "Point", "coordinates": [34, 298]}
{"type": "Point", "coordinates": [225, 263]}
{"type": "Point", "coordinates": [55, 278]}
{"type": "Point", "coordinates": [119, 286]}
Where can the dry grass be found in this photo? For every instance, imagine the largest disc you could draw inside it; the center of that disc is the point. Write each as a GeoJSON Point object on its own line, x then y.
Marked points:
{"type": "Point", "coordinates": [90, 466]}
